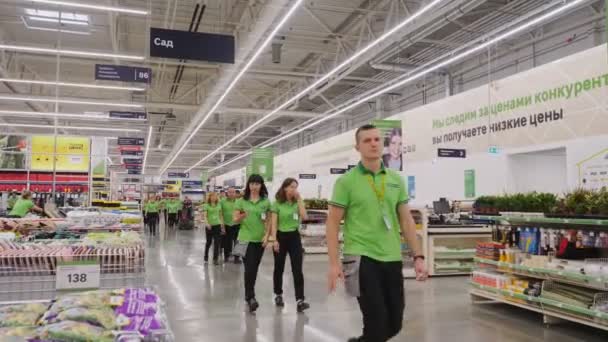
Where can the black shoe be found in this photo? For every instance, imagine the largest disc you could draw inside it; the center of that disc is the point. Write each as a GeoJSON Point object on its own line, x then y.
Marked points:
{"type": "Point", "coordinates": [253, 305]}
{"type": "Point", "coordinates": [302, 306]}
{"type": "Point", "coordinates": [278, 301]}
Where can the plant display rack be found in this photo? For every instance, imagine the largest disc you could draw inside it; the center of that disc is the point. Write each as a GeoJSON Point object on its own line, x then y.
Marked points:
{"type": "Point", "coordinates": [552, 311]}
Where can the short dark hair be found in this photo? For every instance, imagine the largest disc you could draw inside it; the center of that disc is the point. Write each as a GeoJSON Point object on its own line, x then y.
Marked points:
{"type": "Point", "coordinates": [363, 128]}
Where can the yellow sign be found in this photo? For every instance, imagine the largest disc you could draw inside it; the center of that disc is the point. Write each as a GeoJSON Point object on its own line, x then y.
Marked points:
{"type": "Point", "coordinates": [72, 153]}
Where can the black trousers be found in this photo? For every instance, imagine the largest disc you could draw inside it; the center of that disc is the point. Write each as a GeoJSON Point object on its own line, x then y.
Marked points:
{"type": "Point", "coordinates": [289, 243]}
{"type": "Point", "coordinates": [253, 257]}
{"type": "Point", "coordinates": [152, 219]}
{"type": "Point", "coordinates": [382, 299]}
{"type": "Point", "coordinates": [229, 240]}
{"type": "Point", "coordinates": [172, 219]}
{"type": "Point", "coordinates": [213, 235]}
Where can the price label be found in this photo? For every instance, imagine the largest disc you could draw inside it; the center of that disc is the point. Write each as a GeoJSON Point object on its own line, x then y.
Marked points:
{"type": "Point", "coordinates": [77, 275]}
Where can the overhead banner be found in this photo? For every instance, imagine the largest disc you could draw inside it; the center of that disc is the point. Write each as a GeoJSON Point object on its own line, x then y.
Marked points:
{"type": "Point", "coordinates": [99, 153]}
{"type": "Point", "coordinates": [178, 175]}
{"type": "Point", "coordinates": [262, 163]}
{"type": "Point", "coordinates": [13, 155]}
{"type": "Point", "coordinates": [122, 73]}
{"type": "Point", "coordinates": [192, 45]}
{"type": "Point", "coordinates": [131, 141]}
{"type": "Point", "coordinates": [392, 135]}
{"type": "Point", "coordinates": [469, 183]}
{"type": "Point", "coordinates": [128, 115]}
{"type": "Point", "coordinates": [72, 153]}
{"type": "Point", "coordinates": [204, 177]}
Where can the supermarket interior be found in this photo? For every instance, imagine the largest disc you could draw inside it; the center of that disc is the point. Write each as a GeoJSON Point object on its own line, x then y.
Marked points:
{"type": "Point", "coordinates": [303, 170]}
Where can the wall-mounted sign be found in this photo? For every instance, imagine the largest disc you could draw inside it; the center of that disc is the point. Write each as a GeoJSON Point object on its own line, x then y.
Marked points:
{"type": "Point", "coordinates": [128, 115]}
{"type": "Point", "coordinates": [134, 172]}
{"type": "Point", "coordinates": [122, 73]}
{"type": "Point", "coordinates": [307, 176]}
{"type": "Point", "coordinates": [132, 153]}
{"type": "Point", "coordinates": [178, 175]}
{"type": "Point", "coordinates": [191, 45]}
{"type": "Point", "coordinates": [337, 171]}
{"type": "Point", "coordinates": [132, 161]}
{"type": "Point", "coordinates": [131, 141]}
{"type": "Point", "coordinates": [451, 153]}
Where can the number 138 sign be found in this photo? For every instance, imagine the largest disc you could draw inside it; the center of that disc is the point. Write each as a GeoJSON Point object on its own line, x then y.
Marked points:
{"type": "Point", "coordinates": [77, 275]}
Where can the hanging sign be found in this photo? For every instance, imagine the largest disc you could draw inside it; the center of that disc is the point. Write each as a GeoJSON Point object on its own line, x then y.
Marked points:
{"type": "Point", "coordinates": [122, 73]}
{"type": "Point", "coordinates": [133, 167]}
{"type": "Point", "coordinates": [307, 176]}
{"type": "Point", "coordinates": [132, 153]}
{"type": "Point", "coordinates": [179, 175]}
{"type": "Point", "coordinates": [451, 153]}
{"type": "Point", "coordinates": [469, 183]}
{"type": "Point", "coordinates": [337, 171]}
{"type": "Point", "coordinates": [392, 153]}
{"type": "Point", "coordinates": [134, 172]}
{"type": "Point", "coordinates": [192, 45]}
{"type": "Point", "coordinates": [132, 161]}
{"type": "Point", "coordinates": [262, 163]}
{"type": "Point", "coordinates": [131, 141]}
{"type": "Point", "coordinates": [128, 115]}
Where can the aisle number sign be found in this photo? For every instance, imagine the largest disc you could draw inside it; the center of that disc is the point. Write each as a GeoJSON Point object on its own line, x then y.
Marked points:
{"type": "Point", "coordinates": [76, 275]}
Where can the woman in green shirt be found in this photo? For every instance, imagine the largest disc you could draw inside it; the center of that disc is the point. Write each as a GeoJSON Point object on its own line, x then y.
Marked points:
{"type": "Point", "coordinates": [287, 213]}
{"type": "Point", "coordinates": [251, 212]}
{"type": "Point", "coordinates": [212, 211]}
{"type": "Point", "coordinates": [173, 206]}
{"type": "Point", "coordinates": [23, 206]}
{"type": "Point", "coordinates": [151, 211]}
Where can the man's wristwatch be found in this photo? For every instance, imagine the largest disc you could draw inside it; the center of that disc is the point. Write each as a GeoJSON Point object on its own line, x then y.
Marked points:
{"type": "Point", "coordinates": [416, 257]}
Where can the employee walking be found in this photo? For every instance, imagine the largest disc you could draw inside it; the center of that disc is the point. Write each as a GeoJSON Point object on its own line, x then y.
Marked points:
{"type": "Point", "coordinates": [232, 229]}
{"type": "Point", "coordinates": [212, 211]}
{"type": "Point", "coordinates": [151, 210]}
{"type": "Point", "coordinates": [372, 200]}
{"type": "Point", "coordinates": [173, 206]}
{"type": "Point", "coordinates": [251, 212]}
{"type": "Point", "coordinates": [287, 212]}
{"type": "Point", "coordinates": [23, 206]}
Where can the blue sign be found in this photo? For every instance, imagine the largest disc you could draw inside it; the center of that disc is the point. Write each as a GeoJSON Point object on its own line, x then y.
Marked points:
{"type": "Point", "coordinates": [192, 45]}
{"type": "Point", "coordinates": [134, 172]}
{"type": "Point", "coordinates": [411, 187]}
{"type": "Point", "coordinates": [128, 115]}
{"type": "Point", "coordinates": [131, 141]}
{"type": "Point", "coordinates": [192, 183]}
{"type": "Point", "coordinates": [122, 73]}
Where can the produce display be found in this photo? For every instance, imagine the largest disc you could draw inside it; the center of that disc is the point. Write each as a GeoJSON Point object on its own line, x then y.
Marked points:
{"type": "Point", "coordinates": [88, 316]}
{"type": "Point", "coordinates": [314, 203]}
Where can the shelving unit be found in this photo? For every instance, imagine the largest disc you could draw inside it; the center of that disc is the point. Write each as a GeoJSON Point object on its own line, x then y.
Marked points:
{"type": "Point", "coordinates": [553, 311]}
{"type": "Point", "coordinates": [451, 249]}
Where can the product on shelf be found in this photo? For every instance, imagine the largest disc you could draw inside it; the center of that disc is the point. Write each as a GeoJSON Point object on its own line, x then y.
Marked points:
{"type": "Point", "coordinates": [88, 316]}
{"type": "Point", "coordinates": [489, 250]}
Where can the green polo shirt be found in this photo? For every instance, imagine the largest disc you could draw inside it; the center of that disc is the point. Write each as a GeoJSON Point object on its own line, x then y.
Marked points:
{"type": "Point", "coordinates": [365, 230]}
{"type": "Point", "coordinates": [213, 213]}
{"type": "Point", "coordinates": [253, 226]}
{"type": "Point", "coordinates": [11, 202]}
{"type": "Point", "coordinates": [152, 207]}
{"type": "Point", "coordinates": [288, 216]}
{"type": "Point", "coordinates": [21, 207]}
{"type": "Point", "coordinates": [173, 206]}
{"type": "Point", "coordinates": [228, 211]}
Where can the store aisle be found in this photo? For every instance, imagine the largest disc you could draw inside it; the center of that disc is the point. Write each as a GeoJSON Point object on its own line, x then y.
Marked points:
{"type": "Point", "coordinates": [205, 303]}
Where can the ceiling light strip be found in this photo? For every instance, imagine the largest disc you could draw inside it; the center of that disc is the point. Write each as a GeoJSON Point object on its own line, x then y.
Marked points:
{"type": "Point", "coordinates": [85, 128]}
{"type": "Point", "coordinates": [70, 84]}
{"type": "Point", "coordinates": [59, 100]}
{"type": "Point", "coordinates": [325, 77]}
{"type": "Point", "coordinates": [245, 68]}
{"type": "Point", "coordinates": [148, 139]}
{"type": "Point", "coordinates": [421, 74]}
{"type": "Point", "coordinates": [92, 7]}
{"type": "Point", "coordinates": [101, 55]}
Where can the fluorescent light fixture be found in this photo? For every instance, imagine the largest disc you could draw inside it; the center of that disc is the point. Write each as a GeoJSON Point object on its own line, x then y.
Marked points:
{"type": "Point", "coordinates": [232, 84]}
{"type": "Point", "coordinates": [102, 55]}
{"type": "Point", "coordinates": [57, 21]}
{"type": "Point", "coordinates": [52, 114]}
{"type": "Point", "coordinates": [59, 100]}
{"type": "Point", "coordinates": [318, 82]}
{"type": "Point", "coordinates": [92, 7]}
{"type": "Point", "coordinates": [69, 84]}
{"type": "Point", "coordinates": [84, 128]}
{"type": "Point", "coordinates": [148, 139]}
{"type": "Point", "coordinates": [84, 33]}
{"type": "Point", "coordinates": [418, 75]}
{"type": "Point", "coordinates": [227, 163]}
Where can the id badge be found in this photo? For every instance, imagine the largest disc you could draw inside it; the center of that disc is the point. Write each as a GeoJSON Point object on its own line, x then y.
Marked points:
{"type": "Point", "coordinates": [387, 219]}
{"type": "Point", "coordinates": [296, 216]}
{"type": "Point", "coordinates": [264, 216]}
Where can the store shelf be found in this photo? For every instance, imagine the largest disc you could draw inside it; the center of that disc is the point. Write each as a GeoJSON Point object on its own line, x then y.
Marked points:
{"type": "Point", "coordinates": [503, 296]}
{"type": "Point", "coordinates": [543, 220]}
{"type": "Point", "coordinates": [455, 230]}
{"type": "Point", "coordinates": [593, 282]}
{"type": "Point", "coordinates": [453, 255]}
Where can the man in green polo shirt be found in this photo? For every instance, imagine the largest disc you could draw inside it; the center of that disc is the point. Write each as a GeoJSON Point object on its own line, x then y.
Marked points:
{"type": "Point", "coordinates": [173, 206]}
{"type": "Point", "coordinates": [232, 228]}
{"type": "Point", "coordinates": [372, 200]}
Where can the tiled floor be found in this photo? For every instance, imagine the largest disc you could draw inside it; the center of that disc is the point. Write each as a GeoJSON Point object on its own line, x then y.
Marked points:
{"type": "Point", "coordinates": [205, 304]}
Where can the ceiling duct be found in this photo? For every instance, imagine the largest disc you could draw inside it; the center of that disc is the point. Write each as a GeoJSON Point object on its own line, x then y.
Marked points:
{"type": "Point", "coordinates": [276, 53]}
